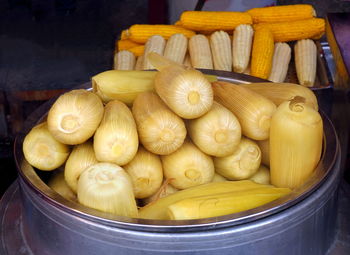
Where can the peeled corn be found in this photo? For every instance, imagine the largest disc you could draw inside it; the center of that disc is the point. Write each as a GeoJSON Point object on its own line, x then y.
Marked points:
{"type": "Point", "coordinates": [124, 60]}
{"type": "Point", "coordinates": [155, 43]}
{"type": "Point", "coordinates": [176, 48]}
{"type": "Point", "coordinates": [220, 44]}
{"type": "Point", "coordinates": [200, 52]}
{"type": "Point", "coordinates": [280, 62]}
{"type": "Point", "coordinates": [241, 47]}
{"type": "Point", "coordinates": [305, 56]}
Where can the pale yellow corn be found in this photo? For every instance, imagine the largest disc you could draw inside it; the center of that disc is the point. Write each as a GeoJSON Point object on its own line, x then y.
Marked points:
{"type": "Point", "coordinates": [200, 52]}
{"type": "Point", "coordinates": [187, 60]}
{"type": "Point", "coordinates": [220, 44]}
{"type": "Point", "coordinates": [241, 47]}
{"type": "Point", "coordinates": [176, 48]}
{"type": "Point", "coordinates": [305, 57]}
{"type": "Point", "coordinates": [155, 43]}
{"type": "Point", "coordinates": [124, 60]}
{"type": "Point", "coordinates": [139, 63]}
{"type": "Point", "coordinates": [280, 62]}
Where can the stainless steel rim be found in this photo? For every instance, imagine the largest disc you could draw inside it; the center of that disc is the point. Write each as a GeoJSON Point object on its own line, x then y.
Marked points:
{"type": "Point", "coordinates": [35, 183]}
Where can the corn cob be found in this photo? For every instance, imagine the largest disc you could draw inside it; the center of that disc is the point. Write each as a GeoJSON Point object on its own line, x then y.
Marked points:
{"type": "Point", "coordinates": [295, 30]}
{"type": "Point", "coordinates": [200, 52]}
{"type": "Point", "coordinates": [282, 13]}
{"type": "Point", "coordinates": [141, 33]}
{"type": "Point", "coordinates": [280, 62]}
{"type": "Point", "coordinates": [305, 56]}
{"type": "Point", "coordinates": [126, 44]}
{"type": "Point", "coordinates": [241, 47]}
{"type": "Point", "coordinates": [262, 53]}
{"type": "Point", "coordinates": [155, 43]}
{"type": "Point", "coordinates": [139, 63]}
{"type": "Point", "coordinates": [220, 44]}
{"type": "Point", "coordinates": [124, 60]}
{"type": "Point", "coordinates": [176, 48]}
{"type": "Point", "coordinates": [124, 35]}
{"type": "Point", "coordinates": [138, 50]}
{"type": "Point", "coordinates": [211, 21]}
{"type": "Point", "coordinates": [187, 60]}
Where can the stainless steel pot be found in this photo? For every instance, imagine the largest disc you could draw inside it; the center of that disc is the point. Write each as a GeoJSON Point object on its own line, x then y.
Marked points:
{"type": "Point", "coordinates": [303, 222]}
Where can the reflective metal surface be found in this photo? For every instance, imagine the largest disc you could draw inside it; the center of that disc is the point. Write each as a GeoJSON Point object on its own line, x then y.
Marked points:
{"type": "Point", "coordinates": [31, 180]}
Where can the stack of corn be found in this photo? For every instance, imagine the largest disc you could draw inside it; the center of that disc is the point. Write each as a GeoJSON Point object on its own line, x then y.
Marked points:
{"type": "Point", "coordinates": [194, 148]}
{"type": "Point", "coordinates": [256, 42]}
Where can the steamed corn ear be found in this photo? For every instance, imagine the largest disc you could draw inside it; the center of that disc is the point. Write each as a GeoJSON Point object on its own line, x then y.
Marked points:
{"type": "Point", "coordinates": [252, 110]}
{"type": "Point", "coordinates": [188, 93]}
{"type": "Point", "coordinates": [262, 53]}
{"type": "Point", "coordinates": [218, 178]}
{"type": "Point", "coordinates": [126, 44]}
{"type": "Point", "coordinates": [138, 50]}
{"type": "Point", "coordinates": [165, 190]}
{"type": "Point", "coordinates": [124, 60]}
{"type": "Point", "coordinates": [282, 13]}
{"type": "Point", "coordinates": [116, 140]}
{"type": "Point", "coordinates": [216, 133]}
{"type": "Point", "coordinates": [224, 203]}
{"type": "Point", "coordinates": [42, 150]}
{"type": "Point", "coordinates": [140, 33]}
{"type": "Point", "coordinates": [199, 49]}
{"type": "Point", "coordinates": [122, 85]}
{"type": "Point", "coordinates": [187, 60]}
{"type": "Point", "coordinates": [57, 183]}
{"type": "Point", "coordinates": [295, 143]}
{"type": "Point", "coordinates": [155, 43]}
{"type": "Point", "coordinates": [241, 47]}
{"type": "Point", "coordinates": [280, 62]}
{"type": "Point", "coordinates": [281, 92]}
{"type": "Point", "coordinates": [158, 208]}
{"type": "Point", "coordinates": [305, 57]}
{"type": "Point", "coordinates": [146, 173]}
{"type": "Point", "coordinates": [81, 157]}
{"type": "Point", "coordinates": [287, 31]}
{"type": "Point", "coordinates": [220, 44]}
{"type": "Point", "coordinates": [160, 130]}
{"type": "Point", "coordinates": [264, 146]}
{"type": "Point", "coordinates": [176, 48]}
{"type": "Point", "coordinates": [74, 117]}
{"type": "Point", "coordinates": [212, 21]}
{"type": "Point", "coordinates": [108, 188]}
{"type": "Point", "coordinates": [188, 166]}
{"type": "Point", "coordinates": [242, 163]}
{"type": "Point", "coordinates": [139, 63]}
{"type": "Point", "coordinates": [262, 176]}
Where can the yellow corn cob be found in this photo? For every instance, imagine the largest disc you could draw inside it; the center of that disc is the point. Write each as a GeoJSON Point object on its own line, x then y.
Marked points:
{"type": "Point", "coordinates": [126, 44]}
{"type": "Point", "coordinates": [124, 35]}
{"type": "Point", "coordinates": [200, 53]}
{"type": "Point", "coordinates": [124, 60]}
{"type": "Point", "coordinates": [139, 63]}
{"type": "Point", "coordinates": [305, 57]}
{"type": "Point", "coordinates": [282, 13]}
{"type": "Point", "coordinates": [176, 48]}
{"type": "Point", "coordinates": [241, 47]}
{"type": "Point", "coordinates": [155, 43]}
{"type": "Point", "coordinates": [295, 30]}
{"type": "Point", "coordinates": [220, 44]}
{"type": "Point", "coordinates": [138, 50]}
{"type": "Point", "coordinates": [280, 62]}
{"type": "Point", "coordinates": [211, 21]}
{"type": "Point", "coordinates": [141, 33]}
{"type": "Point", "coordinates": [187, 60]}
{"type": "Point", "coordinates": [262, 53]}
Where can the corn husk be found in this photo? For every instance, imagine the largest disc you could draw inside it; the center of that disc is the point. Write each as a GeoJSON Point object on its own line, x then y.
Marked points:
{"type": "Point", "coordinates": [81, 157]}
{"type": "Point", "coordinates": [116, 139]}
{"type": "Point", "coordinates": [262, 176]}
{"type": "Point", "coordinates": [253, 111]}
{"type": "Point", "coordinates": [242, 164]}
{"type": "Point", "coordinates": [264, 146]}
{"type": "Point", "coordinates": [224, 203]}
{"type": "Point", "coordinates": [295, 143]}
{"type": "Point", "coordinates": [75, 116]}
{"type": "Point", "coordinates": [108, 188]}
{"type": "Point", "coordinates": [146, 173]}
{"type": "Point", "coordinates": [188, 166]}
{"type": "Point", "coordinates": [158, 209]}
{"type": "Point", "coordinates": [218, 178]}
{"type": "Point", "coordinates": [281, 92]}
{"type": "Point", "coordinates": [160, 130]}
{"type": "Point", "coordinates": [165, 190]}
{"type": "Point", "coordinates": [42, 150]}
{"type": "Point", "coordinates": [216, 133]}
{"type": "Point", "coordinates": [186, 92]}
{"type": "Point", "coordinates": [58, 184]}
